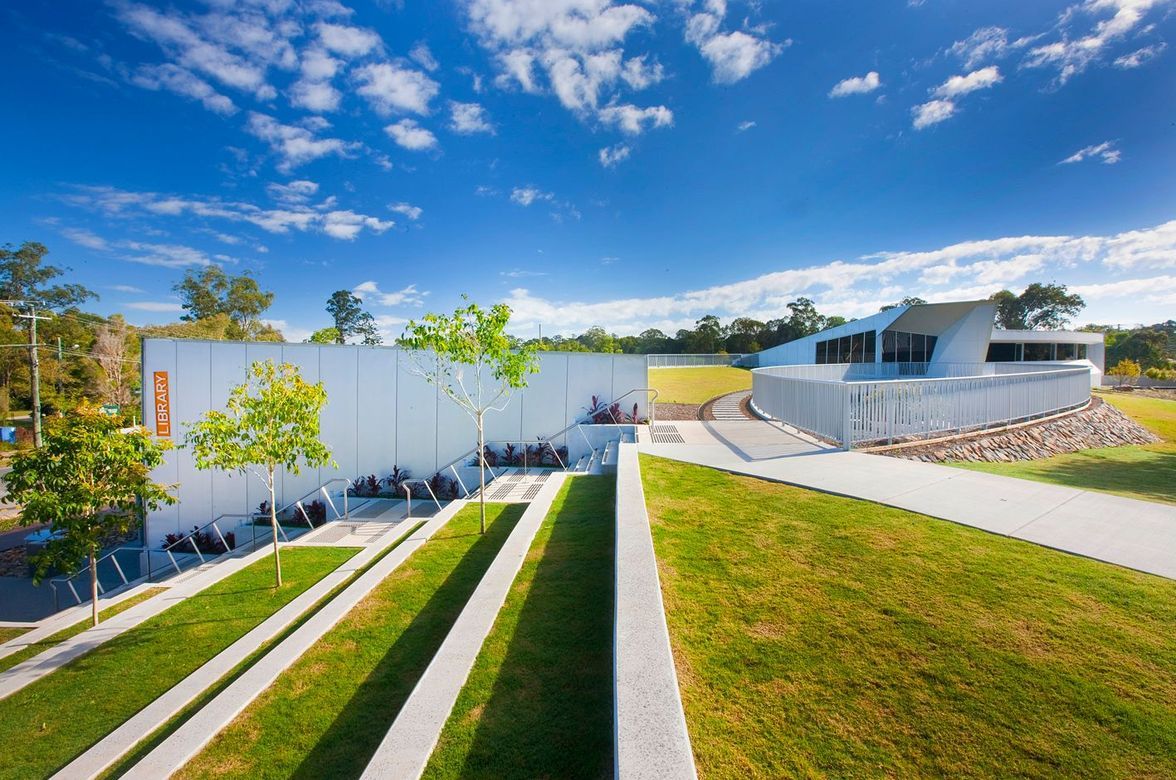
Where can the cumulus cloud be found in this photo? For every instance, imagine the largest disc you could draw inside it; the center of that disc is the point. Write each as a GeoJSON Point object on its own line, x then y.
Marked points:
{"type": "Point", "coordinates": [421, 55]}
{"type": "Point", "coordinates": [468, 118]}
{"type": "Point", "coordinates": [857, 85]}
{"type": "Point", "coordinates": [525, 196]}
{"type": "Point", "coordinates": [932, 112]}
{"type": "Point", "coordinates": [984, 45]}
{"type": "Point", "coordinates": [394, 88]}
{"type": "Point", "coordinates": [957, 86]}
{"type": "Point", "coordinates": [346, 40]}
{"type": "Point", "coordinates": [410, 135]}
{"type": "Point", "coordinates": [633, 120]}
{"type": "Point", "coordinates": [295, 145]}
{"type": "Point", "coordinates": [611, 156]}
{"type": "Point", "coordinates": [733, 56]}
{"type": "Point", "coordinates": [1076, 50]}
{"type": "Point", "coordinates": [369, 292]}
{"type": "Point", "coordinates": [407, 209]}
{"type": "Point", "coordinates": [346, 225]}
{"type": "Point", "coordinates": [297, 191]}
{"type": "Point", "coordinates": [1105, 152]}
{"type": "Point", "coordinates": [314, 90]}
{"type": "Point", "coordinates": [183, 82]}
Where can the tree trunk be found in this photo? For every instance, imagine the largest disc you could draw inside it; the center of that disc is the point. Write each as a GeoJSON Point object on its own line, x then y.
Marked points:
{"type": "Point", "coordinates": [482, 471]}
{"type": "Point", "coordinates": [274, 528]}
{"type": "Point", "coordinates": [93, 588]}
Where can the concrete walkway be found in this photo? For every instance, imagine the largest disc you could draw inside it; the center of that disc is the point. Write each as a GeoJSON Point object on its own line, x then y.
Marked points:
{"type": "Point", "coordinates": [120, 741]}
{"type": "Point", "coordinates": [730, 406]}
{"type": "Point", "coordinates": [405, 749]}
{"type": "Point", "coordinates": [190, 738]}
{"type": "Point", "coordinates": [1137, 534]}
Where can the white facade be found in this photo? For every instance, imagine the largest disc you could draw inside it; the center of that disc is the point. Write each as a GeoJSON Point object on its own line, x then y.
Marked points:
{"type": "Point", "coordinates": [1089, 349]}
{"type": "Point", "coordinates": [378, 414]}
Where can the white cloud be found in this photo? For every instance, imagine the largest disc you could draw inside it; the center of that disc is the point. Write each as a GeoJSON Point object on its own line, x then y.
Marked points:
{"type": "Point", "coordinates": [410, 135]}
{"type": "Point", "coordinates": [1140, 56]}
{"type": "Point", "coordinates": [733, 56]}
{"type": "Point", "coordinates": [348, 41]}
{"type": "Point", "coordinates": [156, 306]}
{"type": "Point", "coordinates": [115, 203]}
{"type": "Point", "coordinates": [957, 86]}
{"type": "Point", "coordinates": [126, 288]}
{"type": "Point", "coordinates": [314, 90]}
{"type": "Point", "coordinates": [519, 273]}
{"type": "Point", "coordinates": [743, 127]}
{"type": "Point", "coordinates": [985, 44]}
{"type": "Point", "coordinates": [525, 196]}
{"type": "Point", "coordinates": [297, 191]}
{"type": "Point", "coordinates": [611, 156]}
{"type": "Point", "coordinates": [468, 118]}
{"type": "Point", "coordinates": [370, 292]}
{"type": "Point", "coordinates": [183, 82]}
{"type": "Point", "coordinates": [292, 333]}
{"type": "Point", "coordinates": [86, 238]}
{"type": "Point", "coordinates": [1105, 151]}
{"type": "Point", "coordinates": [407, 209]}
{"type": "Point", "coordinates": [639, 75]}
{"type": "Point", "coordinates": [857, 85]}
{"type": "Point", "coordinates": [1073, 54]}
{"type": "Point", "coordinates": [295, 145]}
{"type": "Point", "coordinates": [391, 87]}
{"type": "Point", "coordinates": [633, 120]}
{"type": "Point", "coordinates": [421, 55]}
{"type": "Point", "coordinates": [932, 112]}
{"type": "Point", "coordinates": [165, 255]}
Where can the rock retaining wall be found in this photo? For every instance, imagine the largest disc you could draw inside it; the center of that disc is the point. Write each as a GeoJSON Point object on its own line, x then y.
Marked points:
{"type": "Point", "coordinates": [1098, 425]}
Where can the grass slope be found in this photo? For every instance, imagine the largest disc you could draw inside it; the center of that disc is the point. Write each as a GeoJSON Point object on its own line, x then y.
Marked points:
{"type": "Point", "coordinates": [59, 716]}
{"type": "Point", "coordinates": [326, 714]}
{"type": "Point", "coordinates": [818, 635]}
{"type": "Point", "coordinates": [697, 385]}
{"type": "Point", "coordinates": [538, 702]}
{"type": "Point", "coordinates": [9, 661]}
{"type": "Point", "coordinates": [1146, 472]}
{"type": "Point", "coordinates": [8, 634]}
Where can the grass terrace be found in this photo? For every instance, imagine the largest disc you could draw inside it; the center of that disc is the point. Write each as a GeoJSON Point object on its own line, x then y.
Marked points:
{"type": "Point", "coordinates": [1146, 472]}
{"type": "Point", "coordinates": [46, 724]}
{"type": "Point", "coordinates": [538, 702]}
{"type": "Point", "coordinates": [7, 634]}
{"type": "Point", "coordinates": [326, 714]}
{"type": "Point", "coordinates": [697, 385]}
{"type": "Point", "coordinates": [818, 635]}
{"type": "Point", "coordinates": [9, 661]}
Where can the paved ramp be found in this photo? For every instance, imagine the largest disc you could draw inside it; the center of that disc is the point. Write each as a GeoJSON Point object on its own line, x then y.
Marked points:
{"type": "Point", "coordinates": [1137, 534]}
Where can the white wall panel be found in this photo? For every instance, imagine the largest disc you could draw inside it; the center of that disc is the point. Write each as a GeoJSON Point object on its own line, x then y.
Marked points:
{"type": "Point", "coordinates": [191, 397]}
{"type": "Point", "coordinates": [544, 401]}
{"type": "Point", "coordinates": [416, 421]}
{"type": "Point", "coordinates": [375, 417]}
{"type": "Point", "coordinates": [339, 373]}
{"type": "Point", "coordinates": [295, 486]}
{"type": "Point", "coordinates": [161, 356]}
{"type": "Point", "coordinates": [229, 496]}
{"type": "Point", "coordinates": [255, 489]}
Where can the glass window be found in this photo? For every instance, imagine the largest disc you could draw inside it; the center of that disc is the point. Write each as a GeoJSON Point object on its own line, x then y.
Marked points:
{"type": "Point", "coordinates": [889, 345]}
{"type": "Point", "coordinates": [855, 348]}
{"type": "Point", "coordinates": [903, 350]}
{"type": "Point", "coordinates": [820, 358]}
{"type": "Point", "coordinates": [870, 348]}
{"type": "Point", "coordinates": [1081, 351]}
{"type": "Point", "coordinates": [843, 346]}
{"type": "Point", "coordinates": [1066, 352]}
{"type": "Point", "coordinates": [931, 342]}
{"type": "Point", "coordinates": [1036, 350]}
{"type": "Point", "coordinates": [1001, 352]}
{"type": "Point", "coordinates": [918, 348]}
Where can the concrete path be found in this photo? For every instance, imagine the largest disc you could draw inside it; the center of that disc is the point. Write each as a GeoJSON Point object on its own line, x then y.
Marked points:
{"type": "Point", "coordinates": [730, 407]}
{"type": "Point", "coordinates": [190, 738]}
{"type": "Point", "coordinates": [410, 740]}
{"type": "Point", "coordinates": [1137, 534]}
{"type": "Point", "coordinates": [120, 741]}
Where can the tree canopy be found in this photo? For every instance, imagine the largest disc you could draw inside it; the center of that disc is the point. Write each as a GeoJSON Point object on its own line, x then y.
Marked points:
{"type": "Point", "coordinates": [346, 309]}
{"type": "Point", "coordinates": [24, 276]}
{"type": "Point", "coordinates": [1038, 307]}
{"type": "Point", "coordinates": [210, 291]}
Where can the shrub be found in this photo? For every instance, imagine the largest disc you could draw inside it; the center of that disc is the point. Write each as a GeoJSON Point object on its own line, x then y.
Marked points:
{"type": "Point", "coordinates": [395, 481]}
{"type": "Point", "coordinates": [1124, 371]}
{"type": "Point", "coordinates": [204, 542]}
{"type": "Point", "coordinates": [313, 514]}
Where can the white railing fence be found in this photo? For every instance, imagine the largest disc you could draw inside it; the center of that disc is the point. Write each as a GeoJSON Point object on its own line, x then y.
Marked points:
{"type": "Point", "coordinates": [691, 361]}
{"type": "Point", "coordinates": [851, 404]}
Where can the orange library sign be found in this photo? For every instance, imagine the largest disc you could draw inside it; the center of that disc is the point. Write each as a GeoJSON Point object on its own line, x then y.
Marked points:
{"type": "Point", "coordinates": [162, 405]}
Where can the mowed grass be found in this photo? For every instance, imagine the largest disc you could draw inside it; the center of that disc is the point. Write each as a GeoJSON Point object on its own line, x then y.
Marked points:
{"type": "Point", "coordinates": [1146, 471]}
{"type": "Point", "coordinates": [821, 636]}
{"type": "Point", "coordinates": [326, 714]}
{"type": "Point", "coordinates": [9, 661]}
{"type": "Point", "coordinates": [46, 724]}
{"type": "Point", "coordinates": [7, 634]}
{"type": "Point", "coordinates": [697, 385]}
{"type": "Point", "coordinates": [538, 702]}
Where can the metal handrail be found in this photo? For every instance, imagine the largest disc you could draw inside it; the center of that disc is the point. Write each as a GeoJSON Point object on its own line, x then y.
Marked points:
{"type": "Point", "coordinates": [408, 494]}
{"type": "Point", "coordinates": [525, 443]}
{"type": "Point", "coordinates": [69, 578]}
{"type": "Point", "coordinates": [323, 490]}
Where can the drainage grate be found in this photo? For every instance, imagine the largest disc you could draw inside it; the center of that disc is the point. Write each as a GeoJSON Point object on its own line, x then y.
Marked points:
{"type": "Point", "coordinates": [665, 434]}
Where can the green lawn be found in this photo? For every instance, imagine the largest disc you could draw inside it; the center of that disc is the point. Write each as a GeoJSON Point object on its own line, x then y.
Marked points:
{"type": "Point", "coordinates": [326, 714]}
{"type": "Point", "coordinates": [538, 702]}
{"type": "Point", "coordinates": [9, 661]}
{"type": "Point", "coordinates": [7, 634]}
{"type": "Point", "coordinates": [1147, 472]}
{"type": "Point", "coordinates": [57, 717]}
{"type": "Point", "coordinates": [821, 636]}
{"type": "Point", "coordinates": [697, 385]}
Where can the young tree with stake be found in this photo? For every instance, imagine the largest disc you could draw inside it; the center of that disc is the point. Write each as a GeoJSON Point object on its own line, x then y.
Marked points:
{"type": "Point", "coordinates": [86, 482]}
{"type": "Point", "coordinates": [269, 421]}
{"type": "Point", "coordinates": [472, 363]}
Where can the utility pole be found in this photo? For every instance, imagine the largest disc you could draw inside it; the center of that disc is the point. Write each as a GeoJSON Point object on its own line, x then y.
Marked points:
{"type": "Point", "coordinates": [35, 363]}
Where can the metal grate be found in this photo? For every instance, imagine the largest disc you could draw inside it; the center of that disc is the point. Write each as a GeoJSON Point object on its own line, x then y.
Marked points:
{"type": "Point", "coordinates": [531, 492]}
{"type": "Point", "coordinates": [665, 434]}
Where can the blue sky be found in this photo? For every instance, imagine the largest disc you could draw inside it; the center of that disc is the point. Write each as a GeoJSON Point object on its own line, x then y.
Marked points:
{"type": "Point", "coordinates": [628, 165]}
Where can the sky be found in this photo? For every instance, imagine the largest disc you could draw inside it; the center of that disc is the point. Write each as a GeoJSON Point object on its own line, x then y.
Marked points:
{"type": "Point", "coordinates": [623, 164]}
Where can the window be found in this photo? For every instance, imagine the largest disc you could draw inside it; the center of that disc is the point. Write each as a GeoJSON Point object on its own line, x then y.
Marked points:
{"type": "Point", "coordinates": [918, 348]}
{"type": "Point", "coordinates": [904, 347]}
{"type": "Point", "coordinates": [843, 350]}
{"type": "Point", "coordinates": [855, 348]}
{"type": "Point", "coordinates": [1038, 351]}
{"type": "Point", "coordinates": [870, 349]}
{"type": "Point", "coordinates": [1081, 351]}
{"type": "Point", "coordinates": [1001, 352]}
{"type": "Point", "coordinates": [889, 346]}
{"type": "Point", "coordinates": [931, 342]}
{"type": "Point", "coordinates": [1066, 352]}
{"type": "Point", "coordinates": [900, 347]}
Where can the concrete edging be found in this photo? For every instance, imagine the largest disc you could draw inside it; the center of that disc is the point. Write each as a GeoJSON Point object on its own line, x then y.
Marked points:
{"type": "Point", "coordinates": [404, 752]}
{"type": "Point", "coordinates": [189, 739]}
{"type": "Point", "coordinates": [650, 735]}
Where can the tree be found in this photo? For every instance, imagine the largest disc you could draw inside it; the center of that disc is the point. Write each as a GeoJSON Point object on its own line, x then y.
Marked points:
{"type": "Point", "coordinates": [742, 335]}
{"type": "Point", "coordinates": [25, 277]}
{"type": "Point", "coordinates": [1124, 371]}
{"type": "Point", "coordinates": [210, 291]}
{"type": "Point", "coordinates": [705, 337]}
{"type": "Point", "coordinates": [910, 300]}
{"type": "Point", "coordinates": [269, 421]}
{"type": "Point", "coordinates": [1145, 346]}
{"type": "Point", "coordinates": [1038, 307]}
{"type": "Point", "coordinates": [110, 352]}
{"type": "Point", "coordinates": [350, 318]}
{"type": "Point", "coordinates": [86, 482]}
{"type": "Point", "coordinates": [473, 339]}
{"type": "Point", "coordinates": [324, 336]}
